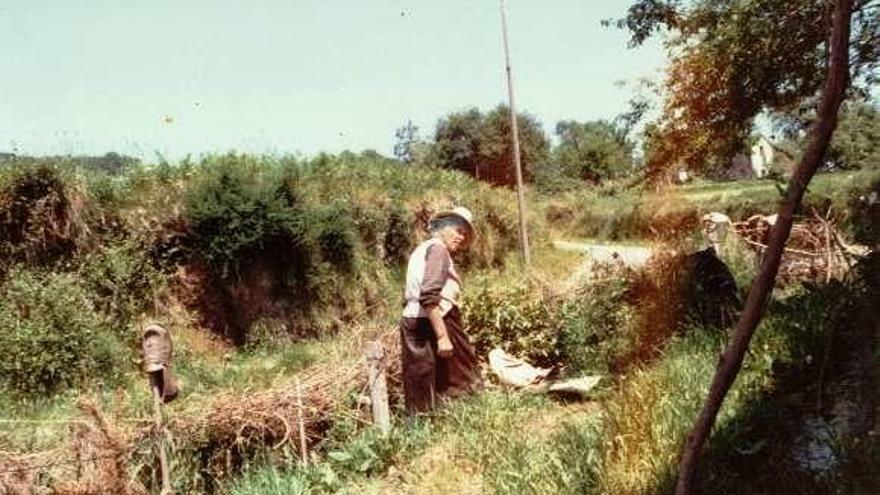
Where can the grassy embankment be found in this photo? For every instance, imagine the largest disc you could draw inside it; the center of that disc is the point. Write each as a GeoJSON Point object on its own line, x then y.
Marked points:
{"type": "Point", "coordinates": [628, 440]}
{"type": "Point", "coordinates": [625, 442]}
{"type": "Point", "coordinates": [261, 267]}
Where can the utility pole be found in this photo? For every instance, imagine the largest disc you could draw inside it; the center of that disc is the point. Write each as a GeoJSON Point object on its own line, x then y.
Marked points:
{"type": "Point", "coordinates": [520, 195]}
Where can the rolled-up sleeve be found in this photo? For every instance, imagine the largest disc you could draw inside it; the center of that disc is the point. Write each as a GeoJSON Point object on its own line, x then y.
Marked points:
{"type": "Point", "coordinates": [436, 274]}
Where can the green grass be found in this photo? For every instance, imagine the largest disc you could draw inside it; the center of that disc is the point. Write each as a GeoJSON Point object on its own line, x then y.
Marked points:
{"type": "Point", "coordinates": [636, 214]}
{"type": "Point", "coordinates": [499, 442]}
{"type": "Point", "coordinates": [512, 443]}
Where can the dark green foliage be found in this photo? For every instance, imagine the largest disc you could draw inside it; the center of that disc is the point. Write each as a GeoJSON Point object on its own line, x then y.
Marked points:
{"type": "Point", "coordinates": [457, 141]}
{"type": "Point", "coordinates": [518, 317]}
{"type": "Point", "coordinates": [335, 235]}
{"type": "Point", "coordinates": [480, 145]}
{"type": "Point", "coordinates": [398, 237]}
{"type": "Point", "coordinates": [593, 326]}
{"type": "Point", "coordinates": [123, 283]}
{"type": "Point", "coordinates": [865, 215]}
{"type": "Point", "coordinates": [50, 336]}
{"type": "Point", "coordinates": [580, 331]}
{"type": "Point", "coordinates": [587, 153]}
{"type": "Point", "coordinates": [237, 212]}
{"type": "Point", "coordinates": [856, 141]}
{"type": "Point", "coordinates": [592, 151]}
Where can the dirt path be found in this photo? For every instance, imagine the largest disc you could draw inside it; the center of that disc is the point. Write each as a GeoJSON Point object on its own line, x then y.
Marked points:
{"type": "Point", "coordinates": [631, 256]}
{"type": "Point", "coordinates": [607, 253]}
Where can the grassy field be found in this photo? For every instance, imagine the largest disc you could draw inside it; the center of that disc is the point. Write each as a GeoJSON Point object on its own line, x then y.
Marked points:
{"type": "Point", "coordinates": [634, 215]}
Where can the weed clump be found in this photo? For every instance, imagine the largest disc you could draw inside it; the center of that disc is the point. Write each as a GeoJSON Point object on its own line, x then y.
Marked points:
{"type": "Point", "coordinates": [236, 212]}
{"type": "Point", "coordinates": [38, 218]}
{"type": "Point", "coordinates": [123, 283]}
{"type": "Point", "coordinates": [51, 338]}
{"type": "Point", "coordinates": [581, 332]}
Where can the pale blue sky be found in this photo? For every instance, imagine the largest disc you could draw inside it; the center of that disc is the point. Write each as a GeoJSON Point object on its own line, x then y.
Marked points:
{"type": "Point", "coordinates": [273, 76]}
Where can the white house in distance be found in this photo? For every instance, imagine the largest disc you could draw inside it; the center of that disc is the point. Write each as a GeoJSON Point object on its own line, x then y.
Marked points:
{"type": "Point", "coordinates": [764, 158]}
{"type": "Point", "coordinates": [763, 154]}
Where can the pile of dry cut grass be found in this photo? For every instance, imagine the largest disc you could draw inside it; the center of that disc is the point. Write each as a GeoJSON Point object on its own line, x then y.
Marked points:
{"type": "Point", "coordinates": [94, 461]}
{"type": "Point", "coordinates": [109, 455]}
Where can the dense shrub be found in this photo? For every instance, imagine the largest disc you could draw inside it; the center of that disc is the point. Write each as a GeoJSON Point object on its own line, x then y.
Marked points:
{"type": "Point", "coordinates": [50, 336]}
{"type": "Point", "coordinates": [37, 219]}
{"type": "Point", "coordinates": [335, 235]}
{"type": "Point", "coordinates": [582, 331]}
{"type": "Point", "coordinates": [519, 316]}
{"type": "Point", "coordinates": [595, 326]}
{"type": "Point", "coordinates": [123, 282]}
{"type": "Point", "coordinates": [238, 210]}
{"type": "Point", "coordinates": [398, 236]}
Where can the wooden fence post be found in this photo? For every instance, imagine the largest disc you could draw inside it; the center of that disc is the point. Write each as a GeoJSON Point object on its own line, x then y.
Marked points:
{"type": "Point", "coordinates": [301, 423]}
{"type": "Point", "coordinates": [157, 349]}
{"type": "Point", "coordinates": [375, 355]}
{"type": "Point", "coordinates": [155, 380]}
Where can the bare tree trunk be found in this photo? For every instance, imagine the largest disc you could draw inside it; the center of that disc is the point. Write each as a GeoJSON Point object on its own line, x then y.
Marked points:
{"type": "Point", "coordinates": [836, 82]}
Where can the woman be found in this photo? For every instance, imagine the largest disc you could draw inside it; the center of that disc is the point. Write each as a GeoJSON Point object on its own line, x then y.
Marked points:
{"type": "Point", "coordinates": [437, 357]}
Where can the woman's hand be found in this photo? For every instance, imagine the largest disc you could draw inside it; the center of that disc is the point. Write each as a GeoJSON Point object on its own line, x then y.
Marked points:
{"type": "Point", "coordinates": [444, 347]}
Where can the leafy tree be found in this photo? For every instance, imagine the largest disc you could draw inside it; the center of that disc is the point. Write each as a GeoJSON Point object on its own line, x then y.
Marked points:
{"type": "Point", "coordinates": [407, 137]}
{"type": "Point", "coordinates": [731, 60]}
{"type": "Point", "coordinates": [457, 141]}
{"type": "Point", "coordinates": [856, 142]}
{"type": "Point", "coordinates": [592, 151]}
{"type": "Point", "coordinates": [480, 145]}
{"type": "Point", "coordinates": [834, 90]}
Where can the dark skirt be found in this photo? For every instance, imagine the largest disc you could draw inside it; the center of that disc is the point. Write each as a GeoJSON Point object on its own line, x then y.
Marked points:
{"type": "Point", "coordinates": [426, 375]}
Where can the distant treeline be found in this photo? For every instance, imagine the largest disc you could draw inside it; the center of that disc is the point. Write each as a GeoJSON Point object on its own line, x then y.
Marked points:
{"type": "Point", "coordinates": [596, 152]}
{"type": "Point", "coordinates": [112, 163]}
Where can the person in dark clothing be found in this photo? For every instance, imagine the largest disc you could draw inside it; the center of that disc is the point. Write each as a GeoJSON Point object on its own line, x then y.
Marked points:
{"type": "Point", "coordinates": [437, 356]}
{"type": "Point", "coordinates": [712, 290]}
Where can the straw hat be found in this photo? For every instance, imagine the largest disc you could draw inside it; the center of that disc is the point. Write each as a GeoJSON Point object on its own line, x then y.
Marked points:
{"type": "Point", "coordinates": [459, 212]}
